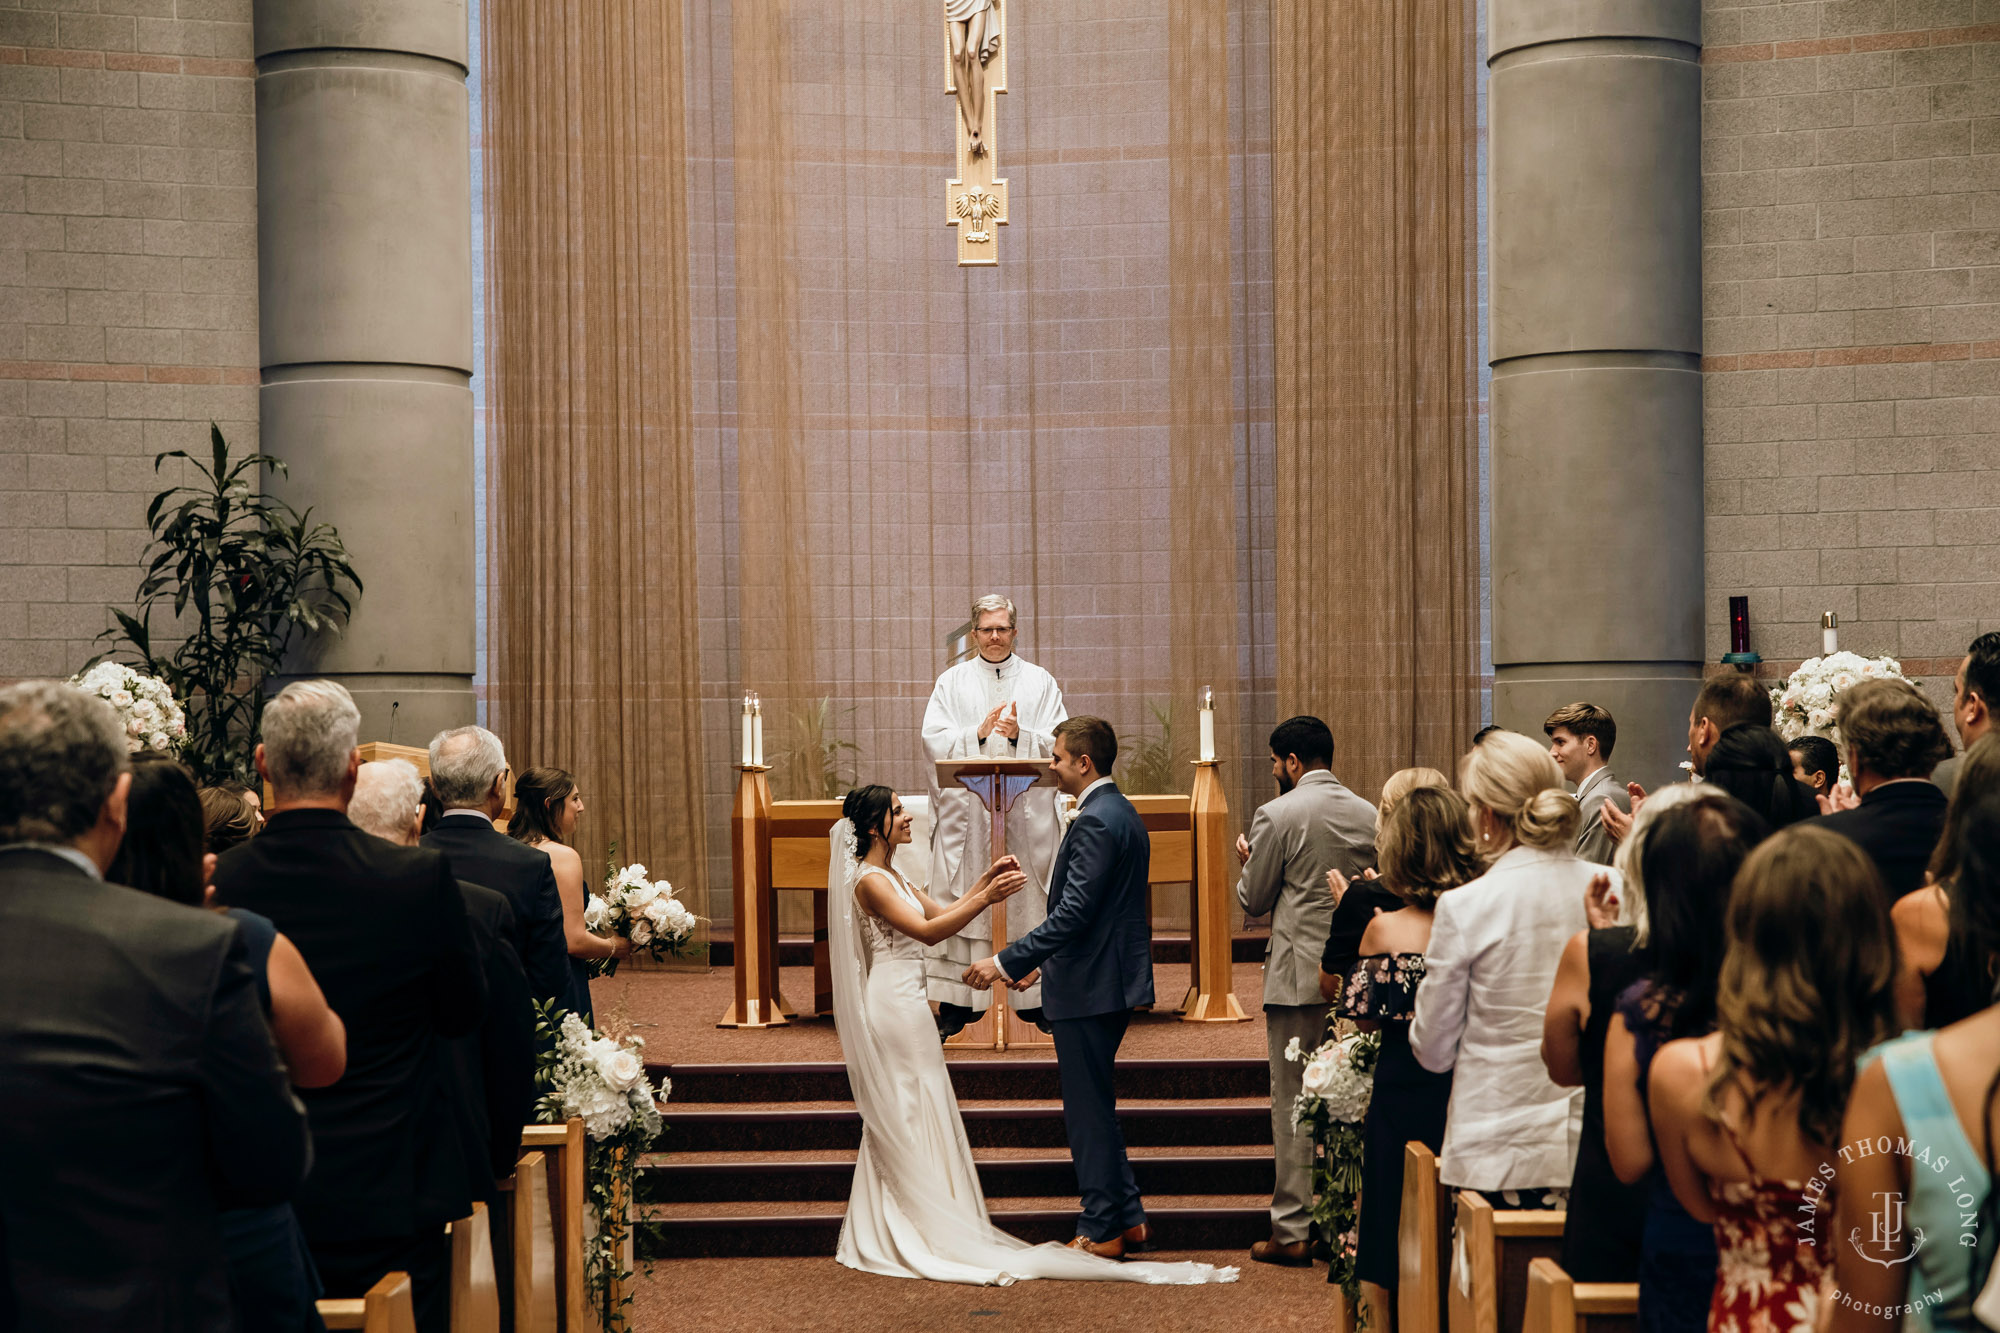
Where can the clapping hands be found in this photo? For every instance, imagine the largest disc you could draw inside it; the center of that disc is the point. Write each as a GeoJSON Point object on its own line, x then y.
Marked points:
{"type": "Point", "coordinates": [1600, 904]}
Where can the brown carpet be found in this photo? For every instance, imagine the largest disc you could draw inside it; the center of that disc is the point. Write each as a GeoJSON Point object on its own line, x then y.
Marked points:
{"type": "Point", "coordinates": [819, 1296]}
{"type": "Point", "coordinates": [676, 1010]}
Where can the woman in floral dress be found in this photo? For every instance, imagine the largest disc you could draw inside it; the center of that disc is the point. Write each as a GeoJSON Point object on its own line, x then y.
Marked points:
{"type": "Point", "coordinates": [1748, 1118]}
{"type": "Point", "coordinates": [1425, 848]}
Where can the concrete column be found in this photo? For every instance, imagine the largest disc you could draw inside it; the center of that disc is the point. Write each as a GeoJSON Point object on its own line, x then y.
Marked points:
{"type": "Point", "coordinates": [364, 240]}
{"type": "Point", "coordinates": [1595, 251]}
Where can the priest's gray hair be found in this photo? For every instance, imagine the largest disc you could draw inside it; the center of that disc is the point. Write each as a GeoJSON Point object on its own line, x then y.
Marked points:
{"type": "Point", "coordinates": [465, 763]}
{"type": "Point", "coordinates": [310, 731]}
{"type": "Point", "coordinates": [386, 796]}
{"type": "Point", "coordinates": [993, 601]}
{"type": "Point", "coordinates": [61, 752]}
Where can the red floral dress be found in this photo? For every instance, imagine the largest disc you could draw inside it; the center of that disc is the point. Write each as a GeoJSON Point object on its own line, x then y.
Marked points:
{"type": "Point", "coordinates": [1770, 1275]}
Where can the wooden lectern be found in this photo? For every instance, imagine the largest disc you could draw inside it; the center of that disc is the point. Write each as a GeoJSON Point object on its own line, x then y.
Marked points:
{"type": "Point", "coordinates": [756, 1003]}
{"type": "Point", "coordinates": [998, 783]}
{"type": "Point", "coordinates": [1211, 996]}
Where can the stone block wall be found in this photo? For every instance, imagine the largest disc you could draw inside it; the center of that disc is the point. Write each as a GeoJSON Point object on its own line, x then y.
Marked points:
{"type": "Point", "coordinates": [1851, 195]}
{"type": "Point", "coordinates": [128, 291]}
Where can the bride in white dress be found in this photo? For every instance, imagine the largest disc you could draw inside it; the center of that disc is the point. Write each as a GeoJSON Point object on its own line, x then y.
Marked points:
{"type": "Point", "coordinates": [917, 1209]}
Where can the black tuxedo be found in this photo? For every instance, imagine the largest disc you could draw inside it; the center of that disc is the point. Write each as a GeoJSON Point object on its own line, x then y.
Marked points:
{"type": "Point", "coordinates": [384, 930]}
{"type": "Point", "coordinates": [1898, 825]}
{"type": "Point", "coordinates": [484, 855]}
{"type": "Point", "coordinates": [139, 1092]}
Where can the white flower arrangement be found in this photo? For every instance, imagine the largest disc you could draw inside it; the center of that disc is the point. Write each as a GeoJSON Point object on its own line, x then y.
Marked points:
{"type": "Point", "coordinates": [146, 709]}
{"type": "Point", "coordinates": [1803, 703]}
{"type": "Point", "coordinates": [1338, 1080]}
{"type": "Point", "coordinates": [641, 909]}
{"type": "Point", "coordinates": [602, 1082]}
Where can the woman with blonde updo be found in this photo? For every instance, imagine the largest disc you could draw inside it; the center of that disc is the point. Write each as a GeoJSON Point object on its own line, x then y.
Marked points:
{"type": "Point", "coordinates": [1491, 961]}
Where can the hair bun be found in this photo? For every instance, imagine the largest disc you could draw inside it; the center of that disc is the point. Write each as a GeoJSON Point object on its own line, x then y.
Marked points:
{"type": "Point", "coordinates": [1549, 820]}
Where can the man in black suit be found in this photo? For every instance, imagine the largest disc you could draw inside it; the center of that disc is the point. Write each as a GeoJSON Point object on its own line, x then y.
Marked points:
{"type": "Point", "coordinates": [384, 930]}
{"type": "Point", "coordinates": [469, 772]}
{"type": "Point", "coordinates": [493, 1069]}
{"type": "Point", "coordinates": [139, 1088]}
{"type": "Point", "coordinates": [1894, 738]}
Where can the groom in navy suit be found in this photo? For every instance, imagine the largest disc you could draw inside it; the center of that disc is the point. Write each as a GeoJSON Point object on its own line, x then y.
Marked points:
{"type": "Point", "coordinates": [1096, 953]}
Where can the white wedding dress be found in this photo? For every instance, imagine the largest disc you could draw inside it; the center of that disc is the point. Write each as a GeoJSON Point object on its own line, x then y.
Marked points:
{"type": "Point", "coordinates": [917, 1209]}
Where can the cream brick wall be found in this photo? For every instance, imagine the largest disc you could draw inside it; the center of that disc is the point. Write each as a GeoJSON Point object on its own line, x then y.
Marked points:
{"type": "Point", "coordinates": [128, 291]}
{"type": "Point", "coordinates": [1851, 188]}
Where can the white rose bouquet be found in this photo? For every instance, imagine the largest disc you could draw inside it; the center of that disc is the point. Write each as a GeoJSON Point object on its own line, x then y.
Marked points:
{"type": "Point", "coordinates": [601, 1081]}
{"type": "Point", "coordinates": [1803, 703]}
{"type": "Point", "coordinates": [145, 706]}
{"type": "Point", "coordinates": [1335, 1088]}
{"type": "Point", "coordinates": [643, 910]}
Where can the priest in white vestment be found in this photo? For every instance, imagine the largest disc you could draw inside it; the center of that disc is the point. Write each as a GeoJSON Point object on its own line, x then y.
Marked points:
{"type": "Point", "coordinates": [995, 706]}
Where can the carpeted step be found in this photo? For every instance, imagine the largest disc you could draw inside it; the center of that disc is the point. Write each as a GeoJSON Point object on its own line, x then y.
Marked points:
{"type": "Point", "coordinates": [755, 1127]}
{"type": "Point", "coordinates": [733, 1230]}
{"type": "Point", "coordinates": [971, 1079]}
{"type": "Point", "coordinates": [796, 950]}
{"type": "Point", "coordinates": [1003, 1173]}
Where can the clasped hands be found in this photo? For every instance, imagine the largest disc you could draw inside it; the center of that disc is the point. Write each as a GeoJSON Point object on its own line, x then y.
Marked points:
{"type": "Point", "coordinates": [1005, 719]}
{"type": "Point", "coordinates": [1002, 880]}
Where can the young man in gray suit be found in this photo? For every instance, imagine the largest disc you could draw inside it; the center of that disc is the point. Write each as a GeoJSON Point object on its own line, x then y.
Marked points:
{"type": "Point", "coordinates": [1313, 826]}
{"type": "Point", "coordinates": [1580, 739]}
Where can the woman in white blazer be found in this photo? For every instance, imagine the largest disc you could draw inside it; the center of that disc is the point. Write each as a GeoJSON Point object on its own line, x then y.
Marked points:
{"type": "Point", "coordinates": [1510, 1133]}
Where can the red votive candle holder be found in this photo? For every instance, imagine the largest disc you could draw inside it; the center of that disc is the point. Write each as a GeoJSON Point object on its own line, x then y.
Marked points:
{"type": "Point", "coordinates": [1739, 624]}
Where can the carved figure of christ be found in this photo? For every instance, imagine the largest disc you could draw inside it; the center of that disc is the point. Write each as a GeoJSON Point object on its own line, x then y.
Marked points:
{"type": "Point", "coordinates": [974, 38]}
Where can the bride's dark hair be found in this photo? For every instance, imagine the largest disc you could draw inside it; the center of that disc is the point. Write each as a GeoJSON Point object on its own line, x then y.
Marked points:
{"type": "Point", "coordinates": [867, 808]}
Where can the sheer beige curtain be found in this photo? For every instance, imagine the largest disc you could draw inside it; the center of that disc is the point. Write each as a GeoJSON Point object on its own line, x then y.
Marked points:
{"type": "Point", "coordinates": [1373, 168]}
{"type": "Point", "coordinates": [1201, 432]}
{"type": "Point", "coordinates": [594, 657]}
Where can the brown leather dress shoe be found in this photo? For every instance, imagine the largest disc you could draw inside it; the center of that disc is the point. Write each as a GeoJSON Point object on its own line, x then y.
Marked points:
{"type": "Point", "coordinates": [1103, 1249]}
{"type": "Point", "coordinates": [1139, 1237]}
{"type": "Point", "coordinates": [1274, 1251]}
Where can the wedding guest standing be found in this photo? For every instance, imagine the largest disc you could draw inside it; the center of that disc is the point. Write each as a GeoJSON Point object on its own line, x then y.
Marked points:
{"type": "Point", "coordinates": [1581, 736]}
{"type": "Point", "coordinates": [139, 1086]}
{"type": "Point", "coordinates": [1894, 739]}
{"type": "Point", "coordinates": [1748, 1118]}
{"type": "Point", "coordinates": [1815, 763]}
{"type": "Point", "coordinates": [1933, 1089]}
{"type": "Point", "coordinates": [1356, 899]}
{"type": "Point", "coordinates": [1688, 864]}
{"type": "Point", "coordinates": [228, 817]}
{"type": "Point", "coordinates": [1974, 693]}
{"type": "Point", "coordinates": [1312, 827]}
{"type": "Point", "coordinates": [1426, 850]}
{"type": "Point", "coordinates": [384, 930]}
{"type": "Point", "coordinates": [1751, 763]}
{"type": "Point", "coordinates": [546, 806]}
{"type": "Point", "coordinates": [1943, 974]}
{"type": "Point", "coordinates": [1492, 959]}
{"type": "Point", "coordinates": [469, 771]}
{"type": "Point", "coordinates": [271, 1277]}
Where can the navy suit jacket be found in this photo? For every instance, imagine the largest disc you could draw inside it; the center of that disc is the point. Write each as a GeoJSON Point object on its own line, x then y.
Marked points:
{"type": "Point", "coordinates": [523, 875]}
{"type": "Point", "coordinates": [1096, 947]}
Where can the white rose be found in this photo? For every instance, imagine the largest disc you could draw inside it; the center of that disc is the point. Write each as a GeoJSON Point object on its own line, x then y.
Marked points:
{"type": "Point", "coordinates": [659, 911]}
{"type": "Point", "coordinates": [121, 698]}
{"type": "Point", "coordinates": [1318, 1076]}
{"type": "Point", "coordinates": [641, 895]}
{"type": "Point", "coordinates": [595, 912]}
{"type": "Point", "coordinates": [642, 931]}
{"type": "Point", "coordinates": [1820, 717]}
{"type": "Point", "coordinates": [1843, 681]}
{"type": "Point", "coordinates": [156, 741]}
{"type": "Point", "coordinates": [680, 917]}
{"type": "Point", "coordinates": [623, 1070]}
{"type": "Point", "coordinates": [134, 727]}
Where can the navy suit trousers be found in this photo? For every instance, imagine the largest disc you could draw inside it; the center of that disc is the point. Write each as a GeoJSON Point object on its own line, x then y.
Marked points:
{"type": "Point", "coordinates": [1086, 1052]}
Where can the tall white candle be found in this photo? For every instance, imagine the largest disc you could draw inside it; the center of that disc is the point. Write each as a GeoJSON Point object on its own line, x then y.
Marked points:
{"type": "Point", "coordinates": [749, 753]}
{"type": "Point", "coordinates": [1829, 633]}
{"type": "Point", "coordinates": [757, 732]}
{"type": "Point", "coordinates": [1207, 725]}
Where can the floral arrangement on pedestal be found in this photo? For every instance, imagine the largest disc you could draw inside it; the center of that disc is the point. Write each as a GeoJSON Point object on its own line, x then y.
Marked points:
{"type": "Point", "coordinates": [601, 1081]}
{"type": "Point", "coordinates": [1803, 703]}
{"type": "Point", "coordinates": [1338, 1080]}
{"type": "Point", "coordinates": [638, 908]}
{"type": "Point", "coordinates": [146, 709]}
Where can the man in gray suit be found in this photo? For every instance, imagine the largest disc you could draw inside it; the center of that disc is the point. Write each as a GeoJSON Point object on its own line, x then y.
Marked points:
{"type": "Point", "coordinates": [1313, 826]}
{"type": "Point", "coordinates": [1580, 739]}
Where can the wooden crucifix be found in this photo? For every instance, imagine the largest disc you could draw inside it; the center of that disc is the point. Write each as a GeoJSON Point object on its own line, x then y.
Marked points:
{"type": "Point", "coordinates": [975, 200]}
